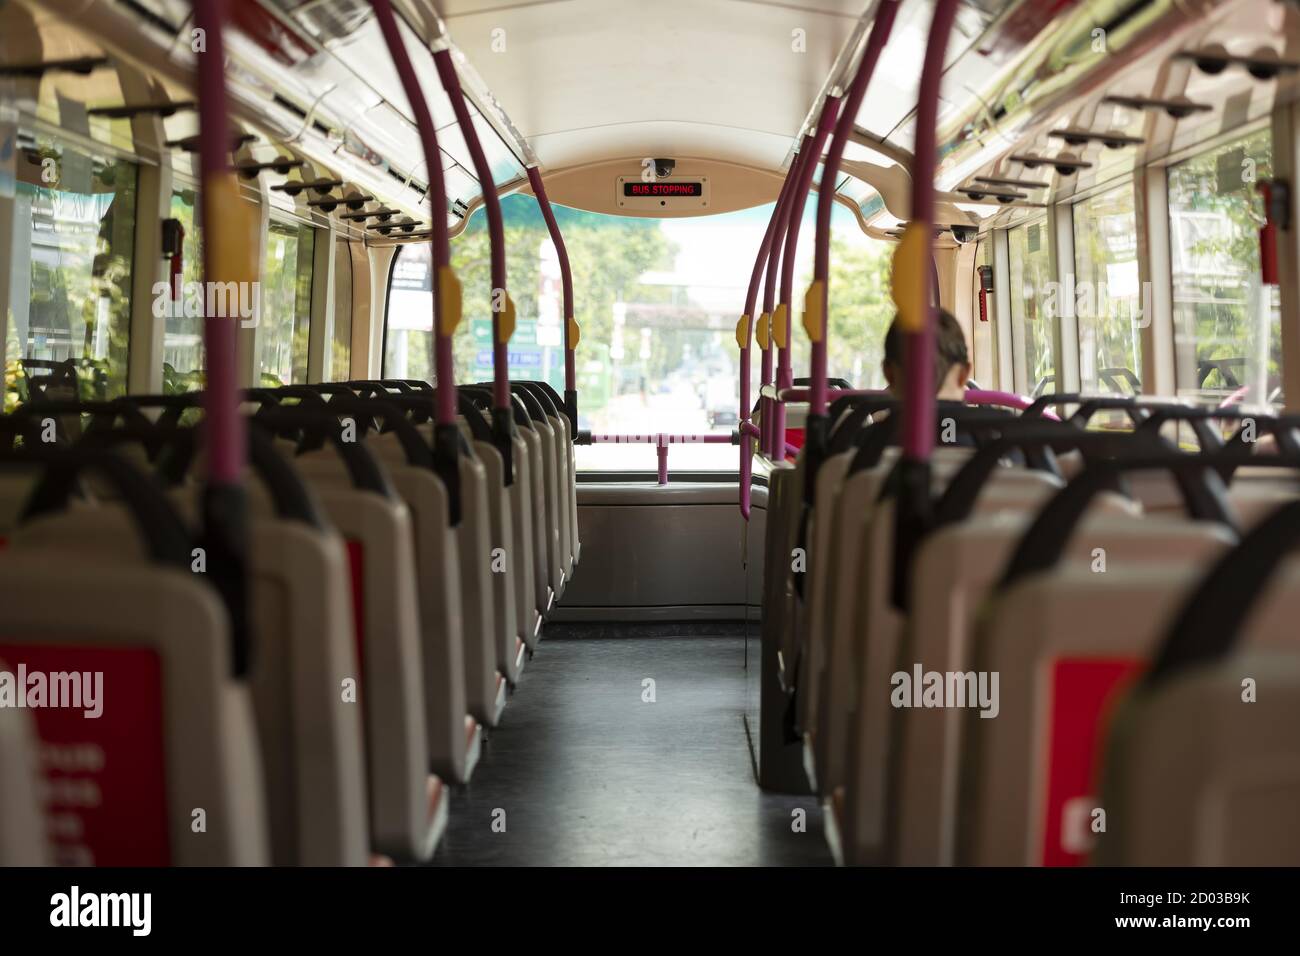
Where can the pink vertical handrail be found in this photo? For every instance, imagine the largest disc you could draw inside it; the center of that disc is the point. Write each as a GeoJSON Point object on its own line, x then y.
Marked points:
{"type": "Point", "coordinates": [747, 429]}
{"type": "Point", "coordinates": [881, 27]}
{"type": "Point", "coordinates": [445, 401]}
{"type": "Point", "coordinates": [918, 385]}
{"type": "Point", "coordinates": [770, 292]}
{"type": "Point", "coordinates": [223, 426]}
{"type": "Point", "coordinates": [794, 219]}
{"type": "Point", "coordinates": [496, 227]}
{"type": "Point", "coordinates": [566, 281]}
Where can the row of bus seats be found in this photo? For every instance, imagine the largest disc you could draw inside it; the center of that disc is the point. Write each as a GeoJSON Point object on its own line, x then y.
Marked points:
{"type": "Point", "coordinates": [383, 628]}
{"type": "Point", "coordinates": [1085, 653]}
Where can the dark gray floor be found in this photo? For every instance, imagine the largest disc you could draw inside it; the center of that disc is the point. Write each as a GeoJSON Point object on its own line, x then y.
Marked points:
{"type": "Point", "coordinates": [583, 772]}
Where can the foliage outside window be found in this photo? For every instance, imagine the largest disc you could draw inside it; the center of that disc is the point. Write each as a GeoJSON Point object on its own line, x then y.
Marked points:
{"type": "Point", "coordinates": [1227, 323]}
{"type": "Point", "coordinates": [183, 358]}
{"type": "Point", "coordinates": [285, 320]}
{"type": "Point", "coordinates": [70, 302]}
{"type": "Point", "coordinates": [658, 302]}
{"type": "Point", "coordinates": [1032, 318]}
{"type": "Point", "coordinates": [340, 355]}
{"type": "Point", "coordinates": [1110, 306]}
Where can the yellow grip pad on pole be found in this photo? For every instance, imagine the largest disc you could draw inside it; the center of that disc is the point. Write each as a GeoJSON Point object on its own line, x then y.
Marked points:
{"type": "Point", "coordinates": [781, 326]}
{"type": "Point", "coordinates": [575, 333]}
{"type": "Point", "coordinates": [449, 301]}
{"type": "Point", "coordinates": [506, 321]}
{"type": "Point", "coordinates": [814, 307]}
{"type": "Point", "coordinates": [911, 284]}
{"type": "Point", "coordinates": [742, 332]}
{"type": "Point", "coordinates": [761, 332]}
{"type": "Point", "coordinates": [231, 220]}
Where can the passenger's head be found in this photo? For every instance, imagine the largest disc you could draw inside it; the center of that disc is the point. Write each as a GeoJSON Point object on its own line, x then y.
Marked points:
{"type": "Point", "coordinates": [951, 360]}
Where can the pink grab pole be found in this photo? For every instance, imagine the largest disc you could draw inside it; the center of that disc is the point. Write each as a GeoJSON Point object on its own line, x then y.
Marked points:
{"type": "Point", "coordinates": [747, 430]}
{"type": "Point", "coordinates": [496, 227]}
{"type": "Point", "coordinates": [566, 281]}
{"type": "Point", "coordinates": [222, 424]}
{"type": "Point", "coordinates": [770, 291]}
{"type": "Point", "coordinates": [445, 400]}
{"type": "Point", "coordinates": [794, 219]}
{"type": "Point", "coordinates": [880, 30]}
{"type": "Point", "coordinates": [918, 385]}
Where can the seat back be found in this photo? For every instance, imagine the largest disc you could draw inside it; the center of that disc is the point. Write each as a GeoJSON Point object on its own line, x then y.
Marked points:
{"type": "Point", "coordinates": [453, 734]}
{"type": "Point", "coordinates": [1198, 772]}
{"type": "Point", "coordinates": [404, 800]}
{"type": "Point", "coordinates": [128, 787]}
{"type": "Point", "coordinates": [954, 571]}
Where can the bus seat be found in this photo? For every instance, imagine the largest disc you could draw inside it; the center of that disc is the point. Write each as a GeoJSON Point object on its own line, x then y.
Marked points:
{"type": "Point", "coordinates": [507, 575]}
{"type": "Point", "coordinates": [485, 685]}
{"type": "Point", "coordinates": [954, 571]}
{"type": "Point", "coordinates": [1195, 777]}
{"type": "Point", "coordinates": [454, 736]}
{"type": "Point", "coordinates": [408, 806]}
{"type": "Point", "coordinates": [1063, 643]}
{"type": "Point", "coordinates": [127, 788]}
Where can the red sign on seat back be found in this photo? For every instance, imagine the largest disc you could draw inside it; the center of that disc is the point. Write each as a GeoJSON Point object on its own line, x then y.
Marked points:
{"type": "Point", "coordinates": [105, 789]}
{"type": "Point", "coordinates": [357, 567]}
{"type": "Point", "coordinates": [1083, 690]}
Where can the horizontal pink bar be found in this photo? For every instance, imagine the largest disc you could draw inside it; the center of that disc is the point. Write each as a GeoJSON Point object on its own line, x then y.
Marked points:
{"type": "Point", "coordinates": [661, 438]}
{"type": "Point", "coordinates": [804, 394]}
{"type": "Point", "coordinates": [984, 396]}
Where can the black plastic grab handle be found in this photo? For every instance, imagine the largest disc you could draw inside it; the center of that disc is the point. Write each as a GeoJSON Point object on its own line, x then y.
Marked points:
{"type": "Point", "coordinates": [1212, 620]}
{"type": "Point", "coordinates": [291, 499]}
{"type": "Point", "coordinates": [1042, 546]}
{"type": "Point", "coordinates": [165, 537]}
{"type": "Point", "coordinates": [847, 426]}
{"type": "Point", "coordinates": [1090, 406]}
{"type": "Point", "coordinates": [391, 411]}
{"type": "Point", "coordinates": [958, 500]}
{"type": "Point", "coordinates": [312, 427]}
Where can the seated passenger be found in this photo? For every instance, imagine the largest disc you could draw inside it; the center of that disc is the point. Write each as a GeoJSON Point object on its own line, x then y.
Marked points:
{"type": "Point", "coordinates": [952, 365]}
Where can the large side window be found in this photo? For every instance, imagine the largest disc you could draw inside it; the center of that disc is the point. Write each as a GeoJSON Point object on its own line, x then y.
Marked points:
{"type": "Point", "coordinates": [409, 331]}
{"type": "Point", "coordinates": [340, 354]}
{"type": "Point", "coordinates": [286, 304]}
{"type": "Point", "coordinates": [71, 295]}
{"type": "Point", "coordinates": [1227, 323]}
{"type": "Point", "coordinates": [183, 333]}
{"type": "Point", "coordinates": [1031, 318]}
{"type": "Point", "coordinates": [1108, 303]}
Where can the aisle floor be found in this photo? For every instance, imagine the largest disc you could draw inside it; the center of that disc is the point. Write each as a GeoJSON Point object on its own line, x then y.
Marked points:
{"type": "Point", "coordinates": [584, 772]}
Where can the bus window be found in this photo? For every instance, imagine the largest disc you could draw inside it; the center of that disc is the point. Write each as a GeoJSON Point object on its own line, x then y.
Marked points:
{"type": "Point", "coordinates": [286, 304]}
{"type": "Point", "coordinates": [1227, 323]}
{"type": "Point", "coordinates": [1108, 303]}
{"type": "Point", "coordinates": [408, 325]}
{"type": "Point", "coordinates": [340, 355]}
{"type": "Point", "coordinates": [183, 335]}
{"type": "Point", "coordinates": [1032, 317]}
{"type": "Point", "coordinates": [71, 301]}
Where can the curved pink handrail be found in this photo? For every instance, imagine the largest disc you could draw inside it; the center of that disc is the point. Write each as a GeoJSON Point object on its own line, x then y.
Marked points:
{"type": "Point", "coordinates": [445, 400]}
{"type": "Point", "coordinates": [771, 288]}
{"type": "Point", "coordinates": [223, 426]}
{"type": "Point", "coordinates": [984, 396]}
{"type": "Point", "coordinates": [496, 226]}
{"type": "Point", "coordinates": [798, 199]}
{"type": "Point", "coordinates": [748, 430]}
{"type": "Point", "coordinates": [880, 30]}
{"type": "Point", "coordinates": [566, 281]}
{"type": "Point", "coordinates": [918, 385]}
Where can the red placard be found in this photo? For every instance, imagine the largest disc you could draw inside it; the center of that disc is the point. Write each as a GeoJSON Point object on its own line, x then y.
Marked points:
{"type": "Point", "coordinates": [105, 777]}
{"type": "Point", "coordinates": [1082, 692]}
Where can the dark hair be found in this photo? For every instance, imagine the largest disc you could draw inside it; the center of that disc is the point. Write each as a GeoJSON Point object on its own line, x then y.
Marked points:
{"type": "Point", "coordinates": [949, 346]}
